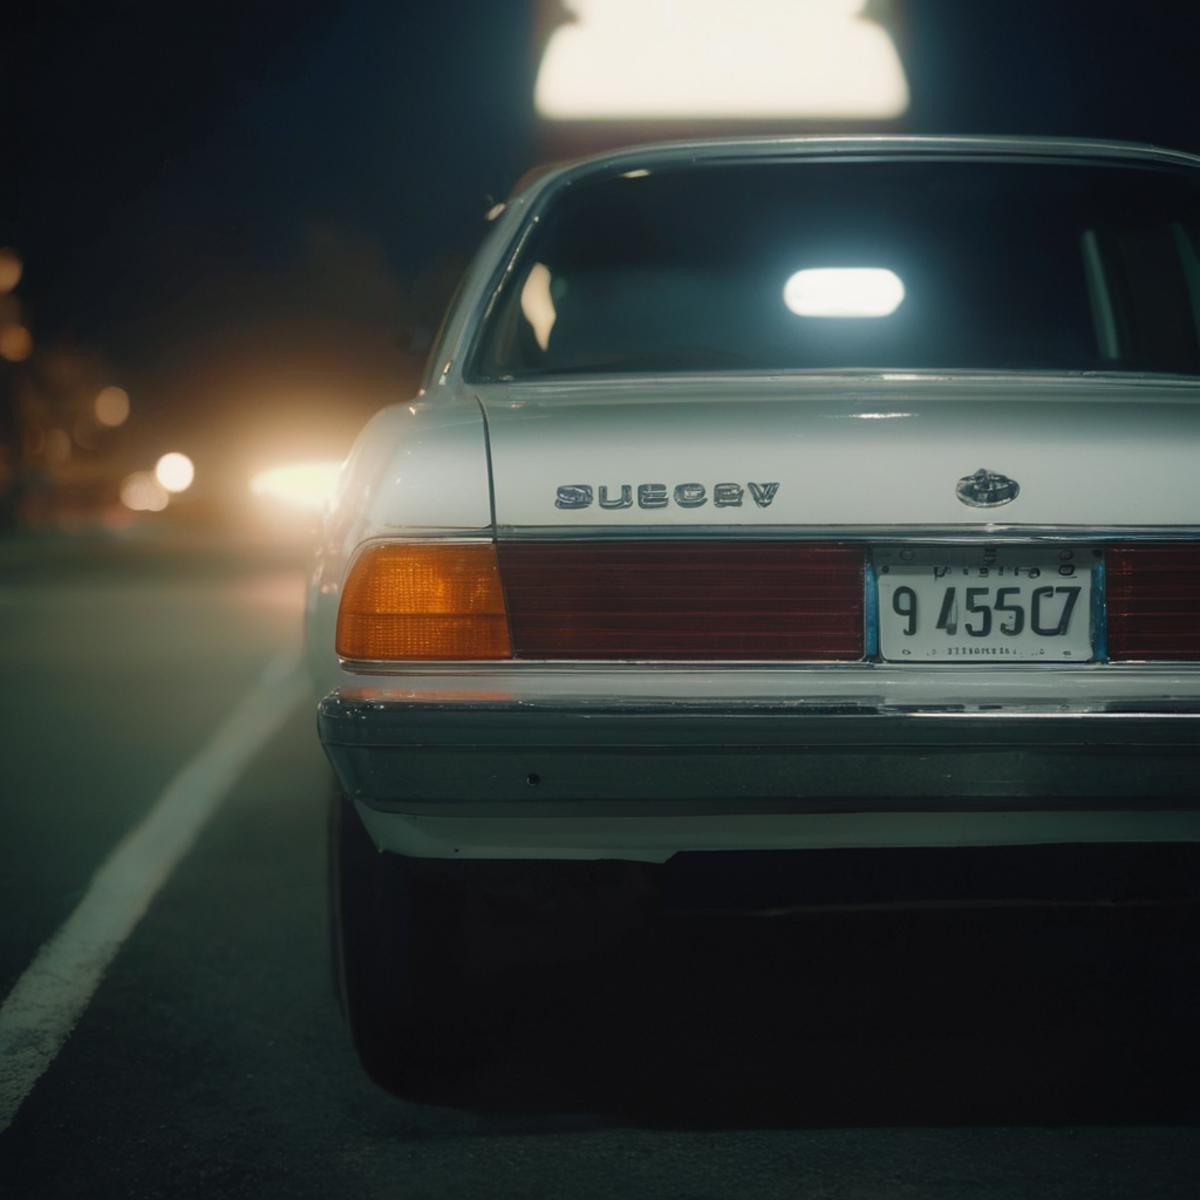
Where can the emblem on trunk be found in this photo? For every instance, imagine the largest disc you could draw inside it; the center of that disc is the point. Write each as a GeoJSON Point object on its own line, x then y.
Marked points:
{"type": "Point", "coordinates": [986, 489]}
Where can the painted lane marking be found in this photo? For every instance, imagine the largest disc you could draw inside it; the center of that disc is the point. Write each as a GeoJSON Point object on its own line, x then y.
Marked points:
{"type": "Point", "coordinates": [47, 1001]}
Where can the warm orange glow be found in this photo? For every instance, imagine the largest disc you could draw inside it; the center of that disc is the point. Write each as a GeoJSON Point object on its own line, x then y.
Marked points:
{"type": "Point", "coordinates": [10, 268]}
{"type": "Point", "coordinates": [112, 406]}
{"type": "Point", "coordinates": [16, 343]}
{"type": "Point", "coordinates": [57, 447]}
{"type": "Point", "coordinates": [417, 601]}
{"type": "Point", "coordinates": [303, 486]}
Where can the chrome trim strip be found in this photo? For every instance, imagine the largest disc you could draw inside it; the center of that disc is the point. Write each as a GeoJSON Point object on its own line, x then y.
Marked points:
{"type": "Point", "coordinates": [428, 533]}
{"type": "Point", "coordinates": [509, 666]}
{"type": "Point", "coordinates": [967, 534]}
{"type": "Point", "coordinates": [1182, 713]}
{"type": "Point", "coordinates": [896, 378]}
{"type": "Point", "coordinates": [874, 145]}
{"type": "Point", "coordinates": [851, 709]}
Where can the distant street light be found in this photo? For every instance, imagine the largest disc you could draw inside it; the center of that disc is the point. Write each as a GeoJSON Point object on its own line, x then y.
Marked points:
{"type": "Point", "coordinates": [175, 471]}
{"type": "Point", "coordinates": [112, 406]}
{"type": "Point", "coordinates": [141, 492]}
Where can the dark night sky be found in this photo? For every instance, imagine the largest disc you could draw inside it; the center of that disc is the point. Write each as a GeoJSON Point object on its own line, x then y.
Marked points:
{"type": "Point", "coordinates": [191, 184]}
{"type": "Point", "coordinates": [161, 143]}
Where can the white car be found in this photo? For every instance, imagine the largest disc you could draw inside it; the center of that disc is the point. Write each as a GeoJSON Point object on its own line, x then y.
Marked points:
{"type": "Point", "coordinates": [764, 495]}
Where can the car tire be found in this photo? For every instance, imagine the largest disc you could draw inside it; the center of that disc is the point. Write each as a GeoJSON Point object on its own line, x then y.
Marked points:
{"type": "Point", "coordinates": [397, 945]}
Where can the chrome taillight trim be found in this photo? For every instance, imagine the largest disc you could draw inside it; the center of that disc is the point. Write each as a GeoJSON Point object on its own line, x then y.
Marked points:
{"type": "Point", "coordinates": [510, 666]}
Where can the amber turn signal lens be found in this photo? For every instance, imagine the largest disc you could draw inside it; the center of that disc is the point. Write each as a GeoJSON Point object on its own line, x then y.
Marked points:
{"type": "Point", "coordinates": [439, 600]}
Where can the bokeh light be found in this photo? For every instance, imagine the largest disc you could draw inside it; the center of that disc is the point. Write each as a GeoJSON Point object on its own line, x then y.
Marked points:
{"type": "Point", "coordinates": [175, 471]}
{"type": "Point", "coordinates": [304, 486]}
{"type": "Point", "coordinates": [16, 343]}
{"type": "Point", "coordinates": [112, 406]}
{"type": "Point", "coordinates": [10, 268]}
{"type": "Point", "coordinates": [141, 492]}
{"type": "Point", "coordinates": [57, 447]}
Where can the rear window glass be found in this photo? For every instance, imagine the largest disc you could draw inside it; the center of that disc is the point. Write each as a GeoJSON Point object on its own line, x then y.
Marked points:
{"type": "Point", "coordinates": [959, 264]}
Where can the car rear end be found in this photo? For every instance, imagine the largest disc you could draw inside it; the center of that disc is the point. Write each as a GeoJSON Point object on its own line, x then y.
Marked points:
{"type": "Point", "coordinates": [839, 494]}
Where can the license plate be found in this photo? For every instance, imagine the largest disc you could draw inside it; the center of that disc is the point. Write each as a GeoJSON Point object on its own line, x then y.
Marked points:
{"type": "Point", "coordinates": [984, 604]}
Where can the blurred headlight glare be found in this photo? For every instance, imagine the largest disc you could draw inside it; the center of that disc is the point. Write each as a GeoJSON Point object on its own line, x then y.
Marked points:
{"type": "Point", "coordinates": [306, 486]}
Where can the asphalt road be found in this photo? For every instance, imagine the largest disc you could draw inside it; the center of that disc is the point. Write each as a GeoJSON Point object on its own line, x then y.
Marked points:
{"type": "Point", "coordinates": [1031, 1052]}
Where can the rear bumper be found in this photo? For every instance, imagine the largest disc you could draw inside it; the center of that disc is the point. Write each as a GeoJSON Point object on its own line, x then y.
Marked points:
{"type": "Point", "coordinates": [579, 778]}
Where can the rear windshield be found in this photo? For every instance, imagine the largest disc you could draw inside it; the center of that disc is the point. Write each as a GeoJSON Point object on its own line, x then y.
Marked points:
{"type": "Point", "coordinates": [945, 264]}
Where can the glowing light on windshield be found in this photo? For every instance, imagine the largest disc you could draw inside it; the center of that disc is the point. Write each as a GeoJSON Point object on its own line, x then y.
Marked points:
{"type": "Point", "coordinates": [112, 406]}
{"type": "Point", "coordinates": [141, 492]}
{"type": "Point", "coordinates": [175, 471]}
{"type": "Point", "coordinates": [844, 292]}
{"type": "Point", "coordinates": [798, 59]}
{"type": "Point", "coordinates": [537, 304]}
{"type": "Point", "coordinates": [305, 486]}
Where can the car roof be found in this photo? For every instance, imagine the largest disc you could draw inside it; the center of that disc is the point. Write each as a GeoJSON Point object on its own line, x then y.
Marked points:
{"type": "Point", "coordinates": [650, 155]}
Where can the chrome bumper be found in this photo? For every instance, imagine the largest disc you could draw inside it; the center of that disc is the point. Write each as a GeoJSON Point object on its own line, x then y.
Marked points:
{"type": "Point", "coordinates": [495, 758]}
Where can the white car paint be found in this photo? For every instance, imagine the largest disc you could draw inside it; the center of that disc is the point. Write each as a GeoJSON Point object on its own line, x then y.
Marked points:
{"type": "Point", "coordinates": [865, 451]}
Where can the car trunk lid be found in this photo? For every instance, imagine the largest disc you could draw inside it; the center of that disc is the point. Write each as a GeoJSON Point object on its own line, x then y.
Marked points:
{"type": "Point", "coordinates": [842, 452]}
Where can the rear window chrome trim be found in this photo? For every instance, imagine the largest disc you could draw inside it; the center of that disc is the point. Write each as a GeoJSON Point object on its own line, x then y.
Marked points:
{"type": "Point", "coordinates": [976, 379]}
{"type": "Point", "coordinates": [461, 348]}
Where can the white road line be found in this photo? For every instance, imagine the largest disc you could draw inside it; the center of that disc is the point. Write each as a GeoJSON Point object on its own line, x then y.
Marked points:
{"type": "Point", "coordinates": [47, 1001]}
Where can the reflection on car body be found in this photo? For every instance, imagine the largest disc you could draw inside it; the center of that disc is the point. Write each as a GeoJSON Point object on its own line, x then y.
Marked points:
{"type": "Point", "coordinates": [685, 546]}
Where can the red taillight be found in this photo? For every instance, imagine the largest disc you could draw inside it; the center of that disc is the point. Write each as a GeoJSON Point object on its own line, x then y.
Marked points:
{"type": "Point", "coordinates": [1154, 602]}
{"type": "Point", "coordinates": [683, 600]}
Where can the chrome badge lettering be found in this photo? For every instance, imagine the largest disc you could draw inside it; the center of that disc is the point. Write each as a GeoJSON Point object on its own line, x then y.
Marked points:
{"type": "Point", "coordinates": [763, 493]}
{"type": "Point", "coordinates": [661, 495]}
{"type": "Point", "coordinates": [573, 495]}
{"type": "Point", "coordinates": [624, 500]}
